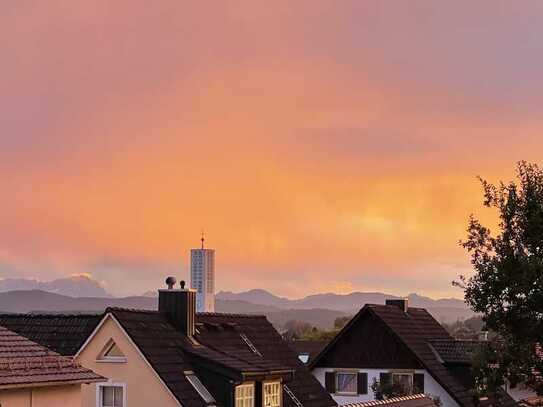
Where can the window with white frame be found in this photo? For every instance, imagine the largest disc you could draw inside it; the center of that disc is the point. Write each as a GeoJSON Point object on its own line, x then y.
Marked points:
{"type": "Point", "coordinates": [245, 395]}
{"type": "Point", "coordinates": [271, 394]}
{"type": "Point", "coordinates": [346, 383]}
{"type": "Point", "coordinates": [111, 396]}
{"type": "Point", "coordinates": [111, 353]}
{"type": "Point", "coordinates": [404, 381]}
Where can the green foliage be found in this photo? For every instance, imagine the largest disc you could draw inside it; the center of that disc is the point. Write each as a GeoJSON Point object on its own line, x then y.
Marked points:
{"type": "Point", "coordinates": [383, 391]}
{"type": "Point", "coordinates": [295, 330]}
{"type": "Point", "coordinates": [340, 322]}
{"type": "Point", "coordinates": [507, 287]}
{"type": "Point", "coordinates": [300, 330]}
{"type": "Point", "coordinates": [466, 329]}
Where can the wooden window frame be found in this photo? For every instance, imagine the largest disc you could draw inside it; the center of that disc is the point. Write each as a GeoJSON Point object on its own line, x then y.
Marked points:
{"type": "Point", "coordinates": [279, 385]}
{"type": "Point", "coordinates": [245, 384]}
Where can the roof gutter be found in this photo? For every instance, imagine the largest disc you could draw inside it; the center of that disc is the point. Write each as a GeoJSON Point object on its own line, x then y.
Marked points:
{"type": "Point", "coordinates": [51, 384]}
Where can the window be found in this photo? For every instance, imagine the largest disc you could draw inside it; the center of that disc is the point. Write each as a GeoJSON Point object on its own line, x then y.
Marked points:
{"type": "Point", "coordinates": [111, 353]}
{"type": "Point", "coordinates": [199, 387]}
{"type": "Point", "coordinates": [111, 396]}
{"type": "Point", "coordinates": [304, 357]}
{"type": "Point", "coordinates": [271, 394]}
{"type": "Point", "coordinates": [245, 395]}
{"type": "Point", "coordinates": [346, 383]}
{"type": "Point", "coordinates": [404, 381]}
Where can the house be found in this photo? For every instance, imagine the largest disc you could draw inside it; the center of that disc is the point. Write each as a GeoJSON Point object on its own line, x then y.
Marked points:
{"type": "Point", "coordinates": [34, 376]}
{"type": "Point", "coordinates": [177, 357]}
{"type": "Point", "coordinates": [395, 346]}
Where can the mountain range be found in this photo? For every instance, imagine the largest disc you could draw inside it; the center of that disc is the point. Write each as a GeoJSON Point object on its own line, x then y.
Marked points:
{"type": "Point", "coordinates": [79, 285]}
{"type": "Point", "coordinates": [338, 302]}
{"type": "Point", "coordinates": [321, 316]}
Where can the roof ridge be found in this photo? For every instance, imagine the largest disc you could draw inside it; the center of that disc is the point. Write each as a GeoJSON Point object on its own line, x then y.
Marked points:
{"type": "Point", "coordinates": [228, 314]}
{"type": "Point", "coordinates": [50, 315]}
{"type": "Point", "coordinates": [138, 310]}
{"type": "Point", "coordinates": [372, 305]}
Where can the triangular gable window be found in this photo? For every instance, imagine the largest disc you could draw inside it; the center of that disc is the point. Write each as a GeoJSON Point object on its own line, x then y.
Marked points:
{"type": "Point", "coordinates": [112, 353]}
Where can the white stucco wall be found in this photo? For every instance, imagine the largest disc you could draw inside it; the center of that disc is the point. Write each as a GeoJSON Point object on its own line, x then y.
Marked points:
{"type": "Point", "coordinates": [431, 387]}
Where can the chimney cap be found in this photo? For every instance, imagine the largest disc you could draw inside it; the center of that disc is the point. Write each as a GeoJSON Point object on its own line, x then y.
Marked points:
{"type": "Point", "coordinates": [170, 282]}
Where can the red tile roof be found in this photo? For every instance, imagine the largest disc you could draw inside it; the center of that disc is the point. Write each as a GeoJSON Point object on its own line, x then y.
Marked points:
{"type": "Point", "coordinates": [415, 400]}
{"type": "Point", "coordinates": [24, 363]}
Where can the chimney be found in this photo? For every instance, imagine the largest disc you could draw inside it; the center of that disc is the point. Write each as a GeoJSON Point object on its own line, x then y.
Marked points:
{"type": "Point", "coordinates": [402, 304]}
{"type": "Point", "coordinates": [179, 305]}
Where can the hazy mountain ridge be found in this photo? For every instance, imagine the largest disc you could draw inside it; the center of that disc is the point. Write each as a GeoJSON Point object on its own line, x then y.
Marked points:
{"type": "Point", "coordinates": [40, 301]}
{"type": "Point", "coordinates": [80, 285]}
{"type": "Point", "coordinates": [337, 302]}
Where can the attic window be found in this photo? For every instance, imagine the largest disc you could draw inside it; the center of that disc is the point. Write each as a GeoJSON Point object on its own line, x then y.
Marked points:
{"type": "Point", "coordinates": [304, 357]}
{"type": "Point", "coordinates": [112, 353]}
{"type": "Point", "coordinates": [272, 395]}
{"type": "Point", "coordinates": [245, 395]}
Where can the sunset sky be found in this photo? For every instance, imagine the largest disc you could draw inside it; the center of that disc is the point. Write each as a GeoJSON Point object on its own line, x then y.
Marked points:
{"type": "Point", "coordinates": [322, 145]}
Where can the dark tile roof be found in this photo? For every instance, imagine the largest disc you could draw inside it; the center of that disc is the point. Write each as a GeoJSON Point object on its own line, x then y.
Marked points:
{"type": "Point", "coordinates": [415, 400]}
{"type": "Point", "coordinates": [24, 363]}
{"type": "Point", "coordinates": [415, 328]}
{"type": "Point", "coordinates": [62, 333]}
{"type": "Point", "coordinates": [162, 345]}
{"type": "Point", "coordinates": [222, 339]}
{"type": "Point", "coordinates": [267, 341]}
{"type": "Point", "coordinates": [310, 348]}
{"type": "Point", "coordinates": [455, 351]}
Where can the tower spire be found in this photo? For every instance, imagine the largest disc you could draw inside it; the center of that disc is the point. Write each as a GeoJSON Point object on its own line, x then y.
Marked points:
{"type": "Point", "coordinates": [203, 240]}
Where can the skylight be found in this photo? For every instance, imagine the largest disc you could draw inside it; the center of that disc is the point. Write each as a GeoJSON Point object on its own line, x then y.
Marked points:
{"type": "Point", "coordinates": [199, 387]}
{"type": "Point", "coordinates": [292, 396]}
{"type": "Point", "coordinates": [250, 344]}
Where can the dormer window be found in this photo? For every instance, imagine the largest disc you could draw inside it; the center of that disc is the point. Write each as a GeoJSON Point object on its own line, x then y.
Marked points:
{"type": "Point", "coordinates": [245, 395]}
{"type": "Point", "coordinates": [271, 394]}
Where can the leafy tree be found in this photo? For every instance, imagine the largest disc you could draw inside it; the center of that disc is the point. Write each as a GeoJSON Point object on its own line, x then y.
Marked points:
{"type": "Point", "coordinates": [295, 329]}
{"type": "Point", "coordinates": [507, 286]}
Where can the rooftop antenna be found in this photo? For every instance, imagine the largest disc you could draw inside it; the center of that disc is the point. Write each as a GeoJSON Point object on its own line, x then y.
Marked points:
{"type": "Point", "coordinates": [203, 240]}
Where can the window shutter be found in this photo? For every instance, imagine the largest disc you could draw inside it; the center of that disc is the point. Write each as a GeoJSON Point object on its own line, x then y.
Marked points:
{"type": "Point", "coordinates": [362, 383]}
{"type": "Point", "coordinates": [330, 382]}
{"type": "Point", "coordinates": [385, 379]}
{"type": "Point", "coordinates": [258, 394]}
{"type": "Point", "coordinates": [418, 382]}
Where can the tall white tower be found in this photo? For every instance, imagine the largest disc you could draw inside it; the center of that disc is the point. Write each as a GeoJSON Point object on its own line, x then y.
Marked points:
{"type": "Point", "coordinates": [202, 277]}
